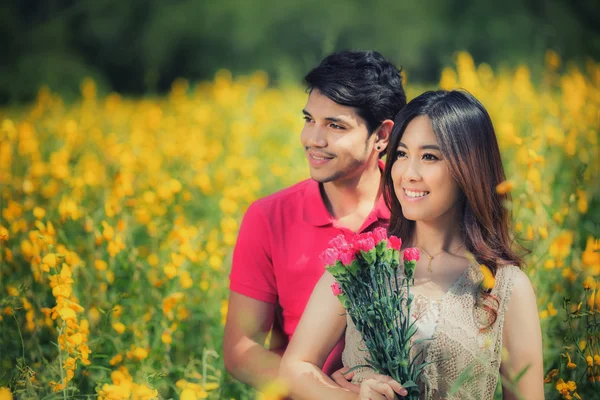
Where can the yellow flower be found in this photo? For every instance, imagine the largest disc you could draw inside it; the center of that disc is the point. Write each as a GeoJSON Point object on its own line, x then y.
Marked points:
{"type": "Point", "coordinates": [119, 327]}
{"type": "Point", "coordinates": [551, 310]}
{"type": "Point", "coordinates": [39, 212]}
{"type": "Point", "coordinates": [140, 353]}
{"type": "Point", "coordinates": [4, 233]}
{"type": "Point", "coordinates": [561, 246]}
{"type": "Point", "coordinates": [100, 265]}
{"type": "Point", "coordinates": [590, 361]}
{"type": "Point", "coordinates": [143, 392]}
{"type": "Point", "coordinates": [488, 281]}
{"type": "Point", "coordinates": [170, 271]}
{"type": "Point", "coordinates": [565, 387]}
{"type": "Point", "coordinates": [570, 364]}
{"type": "Point", "coordinates": [5, 394]}
{"type": "Point", "coordinates": [116, 359]}
{"type": "Point", "coordinates": [49, 261]}
{"type": "Point", "coordinates": [582, 202]}
{"type": "Point", "coordinates": [273, 391]}
{"type": "Point", "coordinates": [505, 187]}
{"type": "Point", "coordinates": [551, 375]}
{"type": "Point", "coordinates": [166, 338]}
{"type": "Point", "coordinates": [597, 359]}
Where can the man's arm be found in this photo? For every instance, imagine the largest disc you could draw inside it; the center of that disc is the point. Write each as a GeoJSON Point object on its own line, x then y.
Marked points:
{"type": "Point", "coordinates": [247, 326]}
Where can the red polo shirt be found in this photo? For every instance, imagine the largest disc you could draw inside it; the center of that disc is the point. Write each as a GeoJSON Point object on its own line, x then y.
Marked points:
{"type": "Point", "coordinates": [276, 257]}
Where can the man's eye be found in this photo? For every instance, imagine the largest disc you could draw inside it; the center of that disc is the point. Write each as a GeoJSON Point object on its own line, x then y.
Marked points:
{"type": "Point", "coordinates": [307, 118]}
{"type": "Point", "coordinates": [430, 157]}
{"type": "Point", "coordinates": [336, 126]}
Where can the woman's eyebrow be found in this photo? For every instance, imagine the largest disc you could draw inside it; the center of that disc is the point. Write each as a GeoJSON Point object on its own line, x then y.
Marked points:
{"type": "Point", "coordinates": [424, 147]}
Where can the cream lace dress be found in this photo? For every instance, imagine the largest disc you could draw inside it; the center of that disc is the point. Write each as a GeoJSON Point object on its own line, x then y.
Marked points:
{"type": "Point", "coordinates": [453, 323]}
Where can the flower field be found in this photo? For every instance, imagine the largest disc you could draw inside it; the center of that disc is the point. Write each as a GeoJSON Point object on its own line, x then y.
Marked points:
{"type": "Point", "coordinates": [119, 216]}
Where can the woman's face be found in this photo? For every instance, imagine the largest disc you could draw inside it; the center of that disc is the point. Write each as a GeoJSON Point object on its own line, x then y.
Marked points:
{"type": "Point", "coordinates": [422, 181]}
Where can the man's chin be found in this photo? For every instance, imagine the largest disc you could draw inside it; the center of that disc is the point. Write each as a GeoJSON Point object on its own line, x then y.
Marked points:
{"type": "Point", "coordinates": [325, 178]}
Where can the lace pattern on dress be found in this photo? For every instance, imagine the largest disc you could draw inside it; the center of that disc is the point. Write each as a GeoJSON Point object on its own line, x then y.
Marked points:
{"type": "Point", "coordinates": [457, 343]}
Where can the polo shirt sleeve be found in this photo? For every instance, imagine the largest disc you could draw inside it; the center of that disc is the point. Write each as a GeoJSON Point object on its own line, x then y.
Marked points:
{"type": "Point", "coordinates": [252, 272]}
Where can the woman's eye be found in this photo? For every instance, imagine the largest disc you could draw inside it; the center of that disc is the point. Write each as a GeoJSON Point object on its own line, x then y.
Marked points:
{"type": "Point", "coordinates": [430, 157]}
{"type": "Point", "coordinates": [400, 154]}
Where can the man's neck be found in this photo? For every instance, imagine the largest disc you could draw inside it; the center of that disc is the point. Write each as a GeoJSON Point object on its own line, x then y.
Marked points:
{"type": "Point", "coordinates": [353, 195]}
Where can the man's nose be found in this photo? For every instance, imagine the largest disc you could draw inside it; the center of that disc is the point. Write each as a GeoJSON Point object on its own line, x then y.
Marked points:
{"type": "Point", "coordinates": [317, 137]}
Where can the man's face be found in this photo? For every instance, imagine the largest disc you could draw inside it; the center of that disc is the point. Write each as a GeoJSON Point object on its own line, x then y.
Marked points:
{"type": "Point", "coordinates": [335, 139]}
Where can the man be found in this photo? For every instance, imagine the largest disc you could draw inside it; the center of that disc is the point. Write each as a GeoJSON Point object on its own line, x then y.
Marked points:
{"type": "Point", "coordinates": [353, 98]}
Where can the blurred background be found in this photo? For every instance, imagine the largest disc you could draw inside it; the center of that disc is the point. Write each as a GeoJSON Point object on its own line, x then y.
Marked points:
{"type": "Point", "coordinates": [134, 134]}
{"type": "Point", "coordinates": [140, 46]}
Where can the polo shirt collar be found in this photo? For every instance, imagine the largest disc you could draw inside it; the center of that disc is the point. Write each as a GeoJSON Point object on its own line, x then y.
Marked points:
{"type": "Point", "coordinates": [315, 212]}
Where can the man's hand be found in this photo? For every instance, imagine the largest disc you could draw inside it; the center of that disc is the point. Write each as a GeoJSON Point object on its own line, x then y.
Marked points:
{"type": "Point", "coordinates": [380, 387]}
{"type": "Point", "coordinates": [343, 378]}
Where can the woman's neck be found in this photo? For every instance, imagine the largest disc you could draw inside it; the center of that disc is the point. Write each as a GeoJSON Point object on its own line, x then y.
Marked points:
{"type": "Point", "coordinates": [443, 234]}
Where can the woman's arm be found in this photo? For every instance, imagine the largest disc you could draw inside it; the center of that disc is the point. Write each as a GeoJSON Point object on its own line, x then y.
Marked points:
{"type": "Point", "coordinates": [522, 337]}
{"type": "Point", "coordinates": [322, 325]}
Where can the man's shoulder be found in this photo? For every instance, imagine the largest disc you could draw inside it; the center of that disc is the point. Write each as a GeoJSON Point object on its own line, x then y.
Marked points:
{"type": "Point", "coordinates": [288, 197]}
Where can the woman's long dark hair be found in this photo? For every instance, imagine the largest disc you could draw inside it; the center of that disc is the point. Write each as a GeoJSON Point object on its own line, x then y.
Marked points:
{"type": "Point", "coordinates": [468, 143]}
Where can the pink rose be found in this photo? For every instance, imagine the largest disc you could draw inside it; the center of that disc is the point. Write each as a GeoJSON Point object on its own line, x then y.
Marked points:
{"type": "Point", "coordinates": [380, 234]}
{"type": "Point", "coordinates": [364, 242]}
{"type": "Point", "coordinates": [394, 243]}
{"type": "Point", "coordinates": [339, 243]}
{"type": "Point", "coordinates": [411, 254]}
{"type": "Point", "coordinates": [346, 257]}
{"type": "Point", "coordinates": [329, 256]}
{"type": "Point", "coordinates": [336, 289]}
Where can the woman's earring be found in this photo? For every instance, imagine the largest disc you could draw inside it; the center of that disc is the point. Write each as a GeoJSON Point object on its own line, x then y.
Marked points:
{"type": "Point", "coordinates": [378, 148]}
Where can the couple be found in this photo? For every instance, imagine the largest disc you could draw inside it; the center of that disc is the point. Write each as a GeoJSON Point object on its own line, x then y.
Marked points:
{"type": "Point", "coordinates": [436, 191]}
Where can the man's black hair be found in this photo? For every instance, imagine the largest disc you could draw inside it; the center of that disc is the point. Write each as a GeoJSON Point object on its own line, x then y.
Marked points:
{"type": "Point", "coordinates": [364, 80]}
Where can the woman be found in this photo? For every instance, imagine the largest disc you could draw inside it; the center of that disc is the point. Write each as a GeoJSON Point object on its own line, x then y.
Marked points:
{"type": "Point", "coordinates": [443, 165]}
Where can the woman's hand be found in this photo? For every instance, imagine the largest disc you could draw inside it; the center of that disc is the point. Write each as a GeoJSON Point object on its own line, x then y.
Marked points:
{"type": "Point", "coordinates": [380, 387]}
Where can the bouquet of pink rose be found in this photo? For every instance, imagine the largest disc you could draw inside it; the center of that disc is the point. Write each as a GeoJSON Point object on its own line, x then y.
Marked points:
{"type": "Point", "coordinates": [378, 300]}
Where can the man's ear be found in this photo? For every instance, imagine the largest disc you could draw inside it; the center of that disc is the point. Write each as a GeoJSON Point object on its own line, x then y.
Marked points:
{"type": "Point", "coordinates": [383, 135]}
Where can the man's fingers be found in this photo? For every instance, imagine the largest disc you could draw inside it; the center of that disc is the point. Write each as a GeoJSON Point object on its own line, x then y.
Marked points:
{"type": "Point", "coordinates": [377, 389]}
{"type": "Point", "coordinates": [394, 385]}
{"type": "Point", "coordinates": [342, 378]}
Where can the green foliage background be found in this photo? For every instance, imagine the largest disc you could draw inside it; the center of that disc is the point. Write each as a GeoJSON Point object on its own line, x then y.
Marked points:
{"type": "Point", "coordinates": [141, 46]}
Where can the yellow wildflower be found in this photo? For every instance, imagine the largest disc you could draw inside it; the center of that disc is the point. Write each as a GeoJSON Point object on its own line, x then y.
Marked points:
{"type": "Point", "coordinates": [551, 375]}
{"type": "Point", "coordinates": [564, 388]}
{"type": "Point", "coordinates": [505, 187]}
{"type": "Point", "coordinates": [119, 327]}
{"type": "Point", "coordinates": [4, 233]}
{"type": "Point", "coordinates": [116, 359]}
{"type": "Point", "coordinates": [582, 202]}
{"type": "Point", "coordinates": [166, 337]}
{"type": "Point", "coordinates": [570, 364]}
{"type": "Point", "coordinates": [488, 281]}
{"type": "Point", "coordinates": [5, 394]}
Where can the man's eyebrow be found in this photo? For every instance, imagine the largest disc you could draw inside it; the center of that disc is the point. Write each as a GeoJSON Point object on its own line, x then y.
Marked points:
{"type": "Point", "coordinates": [306, 113]}
{"type": "Point", "coordinates": [424, 147]}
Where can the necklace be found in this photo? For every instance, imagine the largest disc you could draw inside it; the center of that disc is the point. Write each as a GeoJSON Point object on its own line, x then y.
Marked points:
{"type": "Point", "coordinates": [434, 256]}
